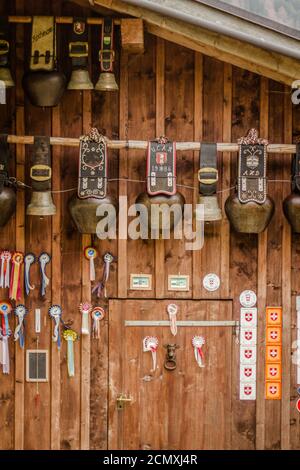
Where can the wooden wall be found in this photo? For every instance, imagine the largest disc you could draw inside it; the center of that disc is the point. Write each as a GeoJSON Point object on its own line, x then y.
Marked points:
{"type": "Point", "coordinates": [188, 96]}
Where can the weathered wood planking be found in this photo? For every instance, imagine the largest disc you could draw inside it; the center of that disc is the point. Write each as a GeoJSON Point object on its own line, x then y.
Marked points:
{"type": "Point", "coordinates": [179, 124]}
{"type": "Point", "coordinates": [7, 240]}
{"type": "Point", "coordinates": [190, 97]}
{"type": "Point", "coordinates": [243, 250]}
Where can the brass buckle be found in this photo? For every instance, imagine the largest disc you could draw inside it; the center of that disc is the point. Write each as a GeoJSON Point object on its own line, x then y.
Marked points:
{"type": "Point", "coordinates": [4, 47]}
{"type": "Point", "coordinates": [78, 54]}
{"type": "Point", "coordinates": [108, 51]}
{"type": "Point", "coordinates": [208, 180]}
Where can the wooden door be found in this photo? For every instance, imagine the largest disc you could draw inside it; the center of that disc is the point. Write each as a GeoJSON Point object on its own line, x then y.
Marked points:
{"type": "Point", "coordinates": [188, 408]}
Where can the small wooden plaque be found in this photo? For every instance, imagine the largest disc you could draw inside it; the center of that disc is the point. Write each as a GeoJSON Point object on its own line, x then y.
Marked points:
{"type": "Point", "coordinates": [140, 281]}
{"type": "Point", "coordinates": [179, 283]}
{"type": "Point", "coordinates": [37, 369]}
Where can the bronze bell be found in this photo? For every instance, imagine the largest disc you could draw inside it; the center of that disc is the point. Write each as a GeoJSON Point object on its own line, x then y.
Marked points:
{"type": "Point", "coordinates": [84, 212]}
{"type": "Point", "coordinates": [6, 78]}
{"type": "Point", "coordinates": [41, 204]}
{"type": "Point", "coordinates": [291, 209]}
{"type": "Point", "coordinates": [148, 201]}
{"type": "Point", "coordinates": [212, 211]}
{"type": "Point", "coordinates": [80, 80]}
{"type": "Point", "coordinates": [106, 82]}
{"type": "Point", "coordinates": [291, 204]}
{"type": "Point", "coordinates": [249, 217]}
{"type": "Point", "coordinates": [43, 88]}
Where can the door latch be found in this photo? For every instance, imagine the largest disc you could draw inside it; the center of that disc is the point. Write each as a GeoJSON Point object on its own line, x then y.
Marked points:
{"type": "Point", "coordinates": [122, 399]}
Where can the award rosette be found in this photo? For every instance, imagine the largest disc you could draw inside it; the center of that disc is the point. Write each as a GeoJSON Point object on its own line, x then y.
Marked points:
{"type": "Point", "coordinates": [150, 343]}
{"type": "Point", "coordinates": [198, 342]}
{"type": "Point", "coordinates": [20, 311]}
{"type": "Point", "coordinates": [70, 336]}
{"type": "Point", "coordinates": [55, 313]}
{"type": "Point", "coordinates": [91, 254]}
{"type": "Point", "coordinates": [85, 309]}
{"type": "Point", "coordinates": [98, 313]}
{"type": "Point", "coordinates": [29, 260]}
{"type": "Point", "coordinates": [15, 281]}
{"type": "Point", "coordinates": [172, 310]}
{"type": "Point", "coordinates": [44, 259]}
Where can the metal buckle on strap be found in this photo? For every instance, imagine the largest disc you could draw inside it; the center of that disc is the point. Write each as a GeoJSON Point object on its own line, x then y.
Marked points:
{"type": "Point", "coordinates": [4, 47]}
{"type": "Point", "coordinates": [111, 53]}
{"type": "Point", "coordinates": [207, 170]}
{"type": "Point", "coordinates": [74, 45]}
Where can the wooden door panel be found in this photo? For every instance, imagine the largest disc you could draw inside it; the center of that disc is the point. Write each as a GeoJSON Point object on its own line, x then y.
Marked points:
{"type": "Point", "coordinates": [188, 408]}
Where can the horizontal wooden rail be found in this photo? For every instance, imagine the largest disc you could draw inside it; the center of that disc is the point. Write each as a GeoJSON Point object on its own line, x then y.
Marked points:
{"type": "Point", "coordinates": [59, 20]}
{"type": "Point", "coordinates": [143, 144]}
{"type": "Point", "coordinates": [211, 323]}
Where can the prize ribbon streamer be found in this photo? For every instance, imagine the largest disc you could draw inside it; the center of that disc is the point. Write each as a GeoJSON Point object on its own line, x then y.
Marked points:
{"type": "Point", "coordinates": [20, 312]}
{"type": "Point", "coordinates": [28, 261]}
{"type": "Point", "coordinates": [55, 313]}
{"type": "Point", "coordinates": [172, 310]}
{"type": "Point", "coordinates": [70, 336]}
{"type": "Point", "coordinates": [85, 309]}
{"type": "Point", "coordinates": [198, 342]}
{"type": "Point", "coordinates": [98, 314]}
{"type": "Point", "coordinates": [90, 254]}
{"type": "Point", "coordinates": [5, 269]}
{"type": "Point", "coordinates": [4, 353]}
{"type": "Point", "coordinates": [150, 343]}
{"type": "Point", "coordinates": [44, 259]}
{"type": "Point", "coordinates": [15, 281]}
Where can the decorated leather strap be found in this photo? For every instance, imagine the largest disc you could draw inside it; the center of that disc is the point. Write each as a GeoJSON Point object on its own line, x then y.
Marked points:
{"type": "Point", "coordinates": [78, 45]}
{"type": "Point", "coordinates": [92, 180]}
{"type": "Point", "coordinates": [161, 167]}
{"type": "Point", "coordinates": [296, 169]}
{"type": "Point", "coordinates": [4, 157]}
{"type": "Point", "coordinates": [4, 41]}
{"type": "Point", "coordinates": [208, 173]}
{"type": "Point", "coordinates": [40, 170]}
{"type": "Point", "coordinates": [43, 43]}
{"type": "Point", "coordinates": [252, 181]}
{"type": "Point", "coordinates": [107, 53]}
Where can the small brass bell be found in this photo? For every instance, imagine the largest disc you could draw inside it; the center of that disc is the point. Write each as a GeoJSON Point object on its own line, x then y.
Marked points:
{"type": "Point", "coordinates": [212, 211]}
{"type": "Point", "coordinates": [5, 76]}
{"type": "Point", "coordinates": [80, 80]}
{"type": "Point", "coordinates": [41, 204]}
{"type": "Point", "coordinates": [106, 82]}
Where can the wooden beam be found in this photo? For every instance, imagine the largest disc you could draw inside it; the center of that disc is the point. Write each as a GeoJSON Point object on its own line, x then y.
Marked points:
{"type": "Point", "coordinates": [267, 63]}
{"type": "Point", "coordinates": [143, 144]}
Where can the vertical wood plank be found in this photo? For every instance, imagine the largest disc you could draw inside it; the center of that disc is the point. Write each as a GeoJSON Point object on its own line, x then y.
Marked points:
{"type": "Point", "coordinates": [20, 226]}
{"type": "Point", "coordinates": [85, 297]}
{"type": "Point", "coordinates": [286, 285]}
{"type": "Point", "coordinates": [160, 130]}
{"type": "Point", "coordinates": [262, 289]}
{"type": "Point", "coordinates": [198, 135]}
{"type": "Point", "coordinates": [56, 282]}
{"type": "Point", "coordinates": [123, 169]}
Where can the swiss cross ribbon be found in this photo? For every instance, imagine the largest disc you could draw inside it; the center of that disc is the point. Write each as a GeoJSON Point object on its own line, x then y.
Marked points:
{"type": "Point", "coordinates": [150, 343]}
{"type": "Point", "coordinates": [98, 314]}
{"type": "Point", "coordinates": [5, 269]}
{"type": "Point", "coordinates": [172, 310]}
{"type": "Point", "coordinates": [20, 312]}
{"type": "Point", "coordinates": [85, 309]}
{"type": "Point", "coordinates": [198, 342]}
{"type": "Point", "coordinates": [15, 281]}
{"type": "Point", "coordinates": [28, 261]}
